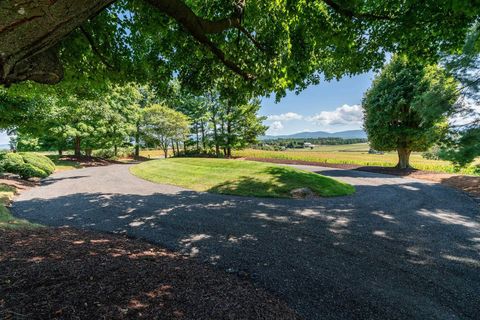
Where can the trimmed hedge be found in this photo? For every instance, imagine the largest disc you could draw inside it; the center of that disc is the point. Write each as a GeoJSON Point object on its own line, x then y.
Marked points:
{"type": "Point", "coordinates": [40, 161]}
{"type": "Point", "coordinates": [27, 165]}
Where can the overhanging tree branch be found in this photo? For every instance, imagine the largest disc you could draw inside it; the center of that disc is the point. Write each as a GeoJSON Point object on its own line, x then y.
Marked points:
{"type": "Point", "coordinates": [199, 28]}
{"type": "Point", "coordinates": [350, 13]}
{"type": "Point", "coordinates": [40, 33]}
{"type": "Point", "coordinates": [95, 49]}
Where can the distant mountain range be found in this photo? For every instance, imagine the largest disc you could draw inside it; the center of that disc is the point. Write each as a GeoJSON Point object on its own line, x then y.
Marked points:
{"type": "Point", "coordinates": [349, 134]}
{"type": "Point", "coordinates": [4, 147]}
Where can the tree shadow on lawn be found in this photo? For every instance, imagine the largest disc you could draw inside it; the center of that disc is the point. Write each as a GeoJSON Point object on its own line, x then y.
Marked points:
{"type": "Point", "coordinates": [391, 251]}
{"type": "Point", "coordinates": [284, 180]}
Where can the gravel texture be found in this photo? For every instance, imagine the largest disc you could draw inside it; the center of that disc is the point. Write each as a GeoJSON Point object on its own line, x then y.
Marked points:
{"type": "Point", "coordinates": [398, 248]}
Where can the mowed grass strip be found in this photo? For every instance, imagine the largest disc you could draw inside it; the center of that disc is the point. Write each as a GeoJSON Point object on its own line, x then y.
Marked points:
{"type": "Point", "coordinates": [7, 221]}
{"type": "Point", "coordinates": [237, 177]}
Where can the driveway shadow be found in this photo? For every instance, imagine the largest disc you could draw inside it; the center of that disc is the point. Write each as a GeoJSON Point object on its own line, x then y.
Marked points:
{"type": "Point", "coordinates": [391, 251]}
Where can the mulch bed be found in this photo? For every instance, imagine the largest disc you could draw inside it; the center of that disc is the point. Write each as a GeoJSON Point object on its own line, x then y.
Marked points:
{"type": "Point", "coordinates": [63, 273]}
{"type": "Point", "coordinates": [87, 161]}
{"type": "Point", "coordinates": [468, 184]}
{"type": "Point", "coordinates": [19, 184]}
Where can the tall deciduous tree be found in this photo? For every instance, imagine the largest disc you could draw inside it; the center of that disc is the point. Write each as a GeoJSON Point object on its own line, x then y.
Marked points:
{"type": "Point", "coordinates": [462, 145]}
{"type": "Point", "coordinates": [165, 126]}
{"type": "Point", "coordinates": [406, 108]}
{"type": "Point", "coordinates": [280, 45]}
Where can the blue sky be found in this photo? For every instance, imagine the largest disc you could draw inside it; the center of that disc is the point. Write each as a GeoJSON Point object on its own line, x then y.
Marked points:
{"type": "Point", "coordinates": [3, 138]}
{"type": "Point", "coordinates": [330, 106]}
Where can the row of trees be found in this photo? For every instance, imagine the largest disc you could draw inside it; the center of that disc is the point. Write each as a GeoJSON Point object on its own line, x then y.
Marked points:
{"type": "Point", "coordinates": [126, 115]}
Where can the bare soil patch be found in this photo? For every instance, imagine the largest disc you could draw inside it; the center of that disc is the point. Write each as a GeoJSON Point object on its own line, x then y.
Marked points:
{"type": "Point", "coordinates": [70, 274]}
{"type": "Point", "coordinates": [468, 184]}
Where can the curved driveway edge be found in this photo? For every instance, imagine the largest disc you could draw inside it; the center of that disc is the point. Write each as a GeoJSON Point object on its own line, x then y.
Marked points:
{"type": "Point", "coordinates": [397, 249]}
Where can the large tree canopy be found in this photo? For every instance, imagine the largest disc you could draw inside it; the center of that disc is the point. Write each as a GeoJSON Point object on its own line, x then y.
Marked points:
{"type": "Point", "coordinates": [407, 107]}
{"type": "Point", "coordinates": [274, 45]}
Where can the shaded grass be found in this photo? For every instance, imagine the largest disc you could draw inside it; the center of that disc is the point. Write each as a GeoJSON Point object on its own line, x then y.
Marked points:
{"type": "Point", "coordinates": [63, 165]}
{"type": "Point", "coordinates": [7, 221]}
{"type": "Point", "coordinates": [245, 178]}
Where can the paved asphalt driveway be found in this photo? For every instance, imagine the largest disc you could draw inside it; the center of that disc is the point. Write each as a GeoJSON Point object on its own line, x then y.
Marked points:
{"type": "Point", "coordinates": [397, 249]}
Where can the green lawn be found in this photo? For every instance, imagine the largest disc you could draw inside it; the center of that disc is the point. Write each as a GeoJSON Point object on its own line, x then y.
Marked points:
{"type": "Point", "coordinates": [238, 177]}
{"type": "Point", "coordinates": [63, 165]}
{"type": "Point", "coordinates": [7, 221]}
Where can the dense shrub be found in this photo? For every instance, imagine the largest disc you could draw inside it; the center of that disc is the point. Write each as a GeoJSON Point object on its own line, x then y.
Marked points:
{"type": "Point", "coordinates": [28, 170]}
{"type": "Point", "coordinates": [11, 161]}
{"type": "Point", "coordinates": [40, 161]}
{"type": "Point", "coordinates": [27, 165]}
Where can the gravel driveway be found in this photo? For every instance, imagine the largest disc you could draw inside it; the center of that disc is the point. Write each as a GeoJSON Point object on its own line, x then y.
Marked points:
{"type": "Point", "coordinates": [397, 249]}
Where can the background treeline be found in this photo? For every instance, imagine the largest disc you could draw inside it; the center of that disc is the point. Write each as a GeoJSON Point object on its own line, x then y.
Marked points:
{"type": "Point", "coordinates": [118, 121]}
{"type": "Point", "coordinates": [279, 144]}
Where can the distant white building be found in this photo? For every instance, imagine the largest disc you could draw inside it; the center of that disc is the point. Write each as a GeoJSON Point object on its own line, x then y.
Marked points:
{"type": "Point", "coordinates": [308, 145]}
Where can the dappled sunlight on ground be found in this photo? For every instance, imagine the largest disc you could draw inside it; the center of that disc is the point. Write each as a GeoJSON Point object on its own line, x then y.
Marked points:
{"type": "Point", "coordinates": [397, 246]}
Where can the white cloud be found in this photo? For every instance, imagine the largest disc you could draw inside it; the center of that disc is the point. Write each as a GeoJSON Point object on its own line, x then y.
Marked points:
{"type": "Point", "coordinates": [276, 125]}
{"type": "Point", "coordinates": [285, 116]}
{"type": "Point", "coordinates": [344, 115]}
{"type": "Point", "coordinates": [471, 114]}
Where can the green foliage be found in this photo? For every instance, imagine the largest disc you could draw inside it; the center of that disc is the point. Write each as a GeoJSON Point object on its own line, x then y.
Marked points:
{"type": "Point", "coordinates": [40, 161]}
{"type": "Point", "coordinates": [222, 119]}
{"type": "Point", "coordinates": [463, 148]}
{"type": "Point", "coordinates": [11, 161]}
{"type": "Point", "coordinates": [463, 143]}
{"type": "Point", "coordinates": [29, 170]}
{"type": "Point", "coordinates": [296, 41]}
{"type": "Point", "coordinates": [407, 106]}
{"type": "Point", "coordinates": [27, 165]}
{"type": "Point", "coordinates": [122, 152]}
{"type": "Point", "coordinates": [54, 119]}
{"type": "Point", "coordinates": [162, 125]}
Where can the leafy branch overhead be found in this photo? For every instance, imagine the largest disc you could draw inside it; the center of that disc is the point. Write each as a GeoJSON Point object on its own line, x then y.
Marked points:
{"type": "Point", "coordinates": [282, 45]}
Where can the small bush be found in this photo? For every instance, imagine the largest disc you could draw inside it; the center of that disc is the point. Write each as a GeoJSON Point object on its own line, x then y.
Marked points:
{"type": "Point", "coordinates": [12, 161]}
{"type": "Point", "coordinates": [28, 170]}
{"type": "Point", "coordinates": [27, 165]}
{"type": "Point", "coordinates": [40, 161]}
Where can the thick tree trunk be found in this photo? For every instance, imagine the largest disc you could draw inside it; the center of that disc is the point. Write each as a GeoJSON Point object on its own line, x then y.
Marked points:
{"type": "Point", "coordinates": [178, 148]}
{"type": "Point", "coordinates": [403, 158]}
{"type": "Point", "coordinates": [165, 153]}
{"type": "Point", "coordinates": [173, 148]}
{"type": "Point", "coordinates": [229, 136]}
{"type": "Point", "coordinates": [78, 151]}
{"type": "Point", "coordinates": [202, 130]}
{"type": "Point", "coordinates": [60, 152]}
{"type": "Point", "coordinates": [198, 143]}
{"type": "Point", "coordinates": [137, 141]}
{"type": "Point", "coordinates": [215, 137]}
{"type": "Point", "coordinates": [30, 32]}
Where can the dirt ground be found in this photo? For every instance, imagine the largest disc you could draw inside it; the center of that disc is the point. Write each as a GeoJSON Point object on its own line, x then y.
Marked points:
{"type": "Point", "coordinates": [64, 273]}
{"type": "Point", "coordinates": [468, 184]}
